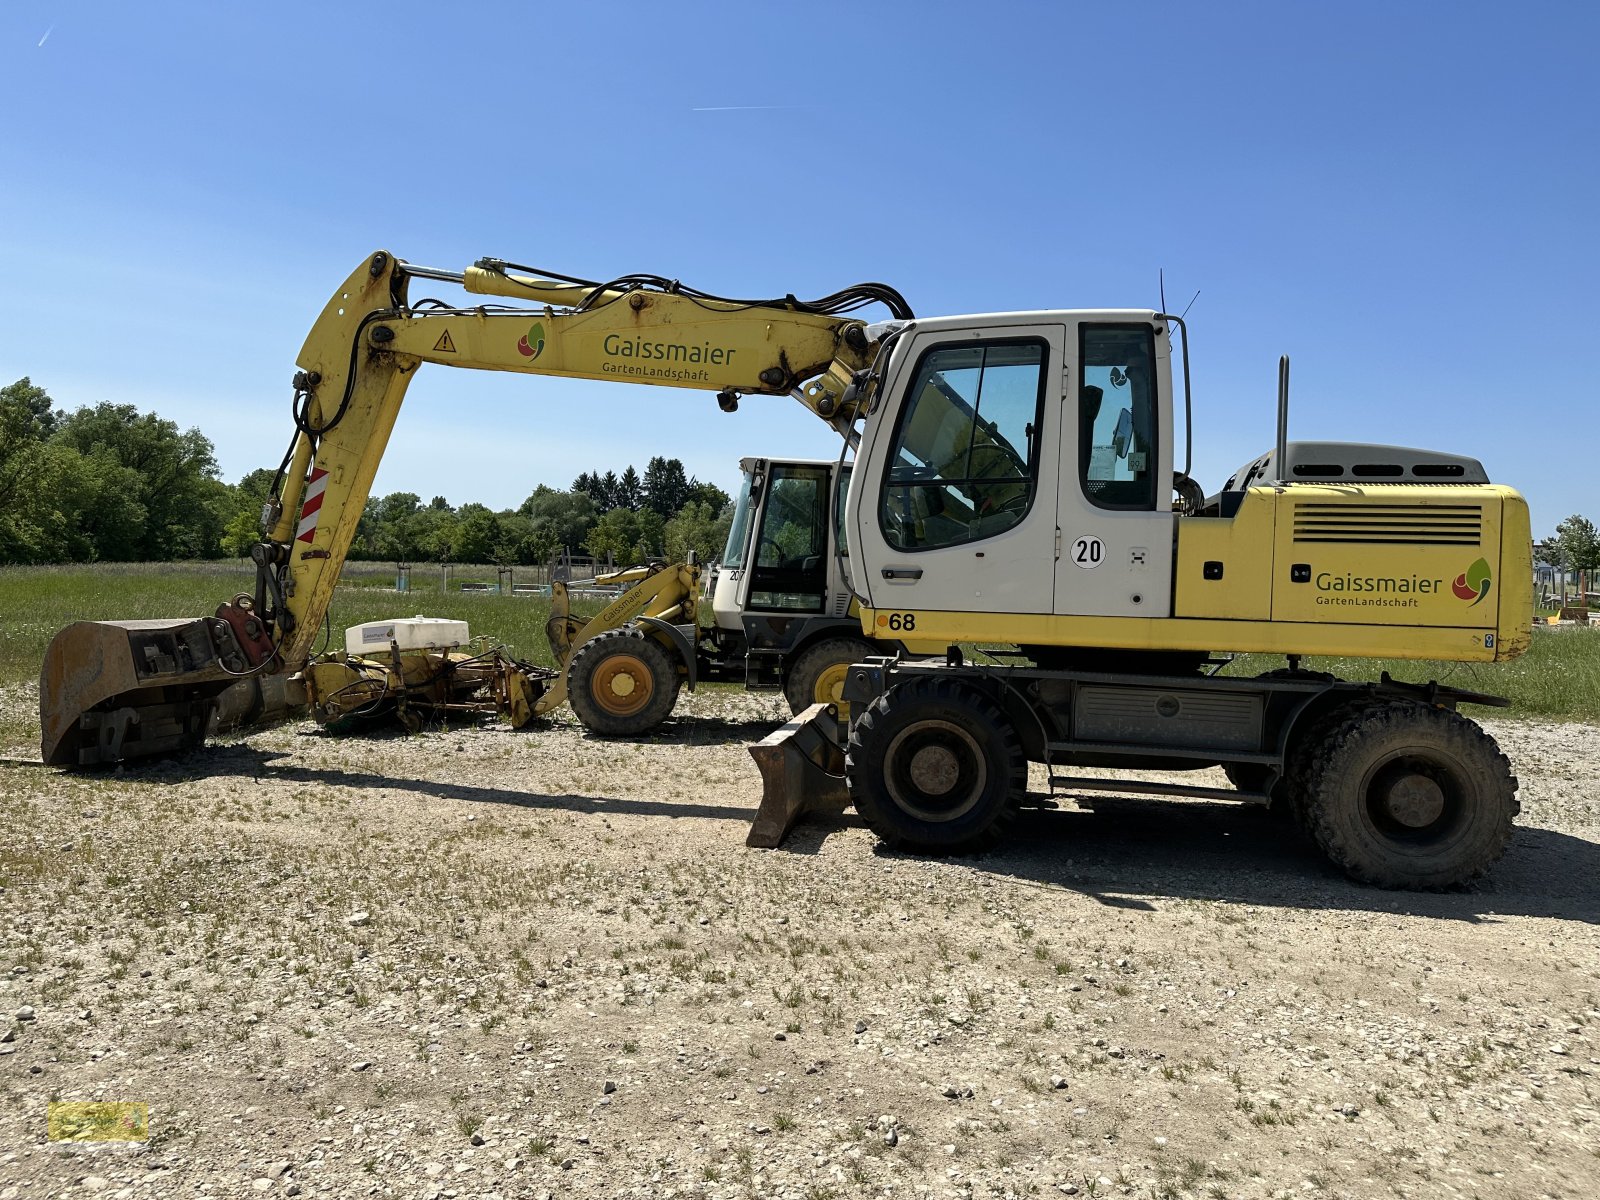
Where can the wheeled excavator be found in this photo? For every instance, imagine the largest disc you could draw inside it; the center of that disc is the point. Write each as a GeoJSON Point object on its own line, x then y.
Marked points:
{"type": "Point", "coordinates": [1013, 487]}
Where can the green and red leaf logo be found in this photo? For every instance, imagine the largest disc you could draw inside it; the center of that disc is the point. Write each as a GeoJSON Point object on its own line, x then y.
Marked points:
{"type": "Point", "coordinates": [1473, 583]}
{"type": "Point", "coordinates": [532, 342]}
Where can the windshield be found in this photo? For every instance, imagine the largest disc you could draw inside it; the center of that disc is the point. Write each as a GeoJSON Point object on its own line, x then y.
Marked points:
{"type": "Point", "coordinates": [733, 556]}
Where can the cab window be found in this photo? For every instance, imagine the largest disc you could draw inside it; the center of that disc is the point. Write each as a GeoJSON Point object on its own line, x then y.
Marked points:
{"type": "Point", "coordinates": [791, 551]}
{"type": "Point", "coordinates": [964, 461]}
{"type": "Point", "coordinates": [841, 489]}
{"type": "Point", "coordinates": [733, 555]}
{"type": "Point", "coordinates": [1117, 416]}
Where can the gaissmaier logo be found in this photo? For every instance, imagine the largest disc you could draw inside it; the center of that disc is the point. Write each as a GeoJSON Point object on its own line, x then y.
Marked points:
{"type": "Point", "coordinates": [532, 343]}
{"type": "Point", "coordinates": [1473, 583]}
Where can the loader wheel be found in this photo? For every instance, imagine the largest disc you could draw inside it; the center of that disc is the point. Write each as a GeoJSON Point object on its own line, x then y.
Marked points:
{"type": "Point", "coordinates": [622, 683]}
{"type": "Point", "coordinates": [1404, 795]}
{"type": "Point", "coordinates": [934, 766]}
{"type": "Point", "coordinates": [817, 674]}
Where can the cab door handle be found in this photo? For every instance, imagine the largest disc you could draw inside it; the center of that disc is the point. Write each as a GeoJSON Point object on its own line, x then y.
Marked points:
{"type": "Point", "coordinates": [902, 572]}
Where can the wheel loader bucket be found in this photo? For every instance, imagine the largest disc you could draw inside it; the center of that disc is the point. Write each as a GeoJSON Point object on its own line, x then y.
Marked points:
{"type": "Point", "coordinates": [802, 773]}
{"type": "Point", "coordinates": [112, 690]}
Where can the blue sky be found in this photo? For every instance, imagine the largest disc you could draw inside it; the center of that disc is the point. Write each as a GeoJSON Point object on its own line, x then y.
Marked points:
{"type": "Point", "coordinates": [1401, 197]}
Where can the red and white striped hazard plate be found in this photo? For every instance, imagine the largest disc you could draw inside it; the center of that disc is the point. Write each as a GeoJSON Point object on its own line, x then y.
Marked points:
{"type": "Point", "coordinates": [309, 511]}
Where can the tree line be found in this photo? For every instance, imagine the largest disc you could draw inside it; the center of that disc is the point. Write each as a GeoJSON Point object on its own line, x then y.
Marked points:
{"type": "Point", "coordinates": [628, 517]}
{"type": "Point", "coordinates": [1575, 549]}
{"type": "Point", "coordinates": [111, 484]}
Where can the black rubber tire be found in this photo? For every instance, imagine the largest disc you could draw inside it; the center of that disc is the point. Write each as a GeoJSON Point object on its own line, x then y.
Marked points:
{"type": "Point", "coordinates": [1422, 758]}
{"type": "Point", "coordinates": [627, 652]}
{"type": "Point", "coordinates": [891, 740]}
{"type": "Point", "coordinates": [809, 666]}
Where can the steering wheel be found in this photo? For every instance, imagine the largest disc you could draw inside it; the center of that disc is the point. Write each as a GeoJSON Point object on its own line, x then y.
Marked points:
{"type": "Point", "coordinates": [777, 557]}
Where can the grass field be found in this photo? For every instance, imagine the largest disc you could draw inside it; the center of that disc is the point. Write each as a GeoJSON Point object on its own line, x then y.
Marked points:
{"type": "Point", "coordinates": [35, 602]}
{"type": "Point", "coordinates": [1559, 678]}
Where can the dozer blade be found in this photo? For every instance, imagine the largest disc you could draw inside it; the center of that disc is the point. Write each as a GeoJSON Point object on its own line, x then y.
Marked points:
{"type": "Point", "coordinates": [802, 773]}
{"type": "Point", "coordinates": [115, 690]}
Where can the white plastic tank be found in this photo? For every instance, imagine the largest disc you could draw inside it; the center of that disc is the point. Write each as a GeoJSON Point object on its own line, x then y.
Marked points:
{"type": "Point", "coordinates": [409, 633]}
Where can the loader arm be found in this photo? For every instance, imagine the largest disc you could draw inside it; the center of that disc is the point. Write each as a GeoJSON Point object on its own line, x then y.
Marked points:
{"type": "Point", "coordinates": [104, 684]}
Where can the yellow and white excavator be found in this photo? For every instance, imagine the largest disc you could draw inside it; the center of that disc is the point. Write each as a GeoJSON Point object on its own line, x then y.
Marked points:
{"type": "Point", "coordinates": [1013, 484]}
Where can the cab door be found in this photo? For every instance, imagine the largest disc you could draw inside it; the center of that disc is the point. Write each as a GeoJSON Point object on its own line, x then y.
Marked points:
{"type": "Point", "coordinates": [1115, 505]}
{"type": "Point", "coordinates": [953, 506]}
{"type": "Point", "coordinates": [789, 554]}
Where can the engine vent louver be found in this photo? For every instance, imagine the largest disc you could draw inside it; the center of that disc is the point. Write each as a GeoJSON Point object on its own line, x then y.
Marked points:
{"type": "Point", "coordinates": [1390, 525]}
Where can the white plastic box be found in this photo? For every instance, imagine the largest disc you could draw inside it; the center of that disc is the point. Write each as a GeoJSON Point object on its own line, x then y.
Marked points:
{"type": "Point", "coordinates": [410, 633]}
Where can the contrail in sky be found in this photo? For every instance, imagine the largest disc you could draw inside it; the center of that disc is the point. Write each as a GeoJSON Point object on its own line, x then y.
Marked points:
{"type": "Point", "coordinates": [46, 36]}
{"type": "Point", "coordinates": [748, 107]}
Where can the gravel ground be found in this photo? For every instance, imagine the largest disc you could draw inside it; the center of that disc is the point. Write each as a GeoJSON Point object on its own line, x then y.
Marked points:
{"type": "Point", "coordinates": [499, 964]}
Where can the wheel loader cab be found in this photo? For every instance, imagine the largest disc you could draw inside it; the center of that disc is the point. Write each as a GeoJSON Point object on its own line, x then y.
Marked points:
{"type": "Point", "coordinates": [784, 616]}
{"type": "Point", "coordinates": [783, 542]}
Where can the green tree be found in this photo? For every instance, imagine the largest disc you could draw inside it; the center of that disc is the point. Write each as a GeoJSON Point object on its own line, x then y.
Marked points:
{"type": "Point", "coordinates": [477, 534]}
{"type": "Point", "coordinates": [436, 533]}
{"type": "Point", "coordinates": [34, 405]}
{"type": "Point", "coordinates": [560, 518]}
{"type": "Point", "coordinates": [514, 539]}
{"type": "Point", "coordinates": [630, 494]}
{"type": "Point", "coordinates": [177, 472]}
{"type": "Point", "coordinates": [617, 534]}
{"type": "Point", "coordinates": [666, 488]}
{"type": "Point", "coordinates": [708, 494]}
{"type": "Point", "coordinates": [27, 482]}
{"type": "Point", "coordinates": [1579, 543]}
{"type": "Point", "coordinates": [696, 527]}
{"type": "Point", "coordinates": [390, 527]}
{"type": "Point", "coordinates": [245, 501]}
{"type": "Point", "coordinates": [652, 530]}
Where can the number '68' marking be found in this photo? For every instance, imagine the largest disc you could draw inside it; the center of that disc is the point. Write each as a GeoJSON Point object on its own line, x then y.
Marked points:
{"type": "Point", "coordinates": [899, 622]}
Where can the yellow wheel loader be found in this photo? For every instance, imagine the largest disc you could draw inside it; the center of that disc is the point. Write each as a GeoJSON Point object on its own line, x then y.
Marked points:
{"type": "Point", "coordinates": [782, 618]}
{"type": "Point", "coordinates": [1014, 483]}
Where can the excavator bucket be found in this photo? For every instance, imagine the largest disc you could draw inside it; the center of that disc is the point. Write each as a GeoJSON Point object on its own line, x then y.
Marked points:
{"type": "Point", "coordinates": [112, 690]}
{"type": "Point", "coordinates": [802, 773]}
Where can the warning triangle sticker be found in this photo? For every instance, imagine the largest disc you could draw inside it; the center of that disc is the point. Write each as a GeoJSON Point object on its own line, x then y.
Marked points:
{"type": "Point", "coordinates": [445, 343]}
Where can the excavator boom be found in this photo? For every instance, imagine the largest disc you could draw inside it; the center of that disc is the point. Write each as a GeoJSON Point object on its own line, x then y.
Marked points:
{"type": "Point", "coordinates": [116, 690]}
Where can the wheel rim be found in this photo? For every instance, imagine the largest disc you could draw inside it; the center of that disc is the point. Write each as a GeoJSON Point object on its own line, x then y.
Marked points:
{"type": "Point", "coordinates": [829, 688]}
{"type": "Point", "coordinates": [622, 685]}
{"type": "Point", "coordinates": [936, 771]}
{"type": "Point", "coordinates": [1412, 797]}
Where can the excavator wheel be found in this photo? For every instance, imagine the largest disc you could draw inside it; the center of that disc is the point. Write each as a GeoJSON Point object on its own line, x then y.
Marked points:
{"type": "Point", "coordinates": [622, 683]}
{"type": "Point", "coordinates": [934, 766]}
{"type": "Point", "coordinates": [1405, 795]}
{"type": "Point", "coordinates": [817, 674]}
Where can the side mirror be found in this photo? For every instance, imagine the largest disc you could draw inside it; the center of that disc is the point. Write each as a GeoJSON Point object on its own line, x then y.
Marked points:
{"type": "Point", "coordinates": [1122, 436]}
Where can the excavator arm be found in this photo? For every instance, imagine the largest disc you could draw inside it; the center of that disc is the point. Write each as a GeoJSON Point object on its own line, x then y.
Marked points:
{"type": "Point", "coordinates": [117, 690]}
